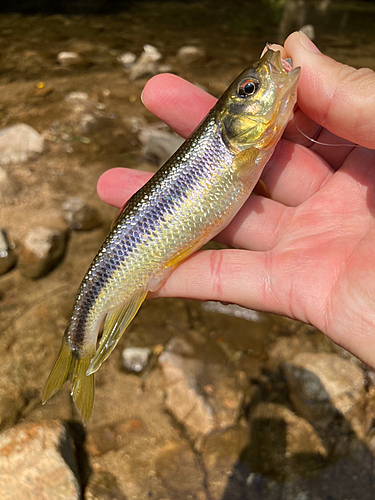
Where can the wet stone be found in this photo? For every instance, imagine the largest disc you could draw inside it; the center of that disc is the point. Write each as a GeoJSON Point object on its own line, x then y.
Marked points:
{"type": "Point", "coordinates": [102, 485]}
{"type": "Point", "coordinates": [68, 58]}
{"type": "Point", "coordinates": [189, 54]}
{"type": "Point", "coordinates": [19, 143]}
{"type": "Point", "coordinates": [146, 65]}
{"type": "Point", "coordinates": [37, 462]}
{"type": "Point", "coordinates": [42, 249]}
{"type": "Point", "coordinates": [158, 144]}
{"type": "Point", "coordinates": [79, 216]}
{"type": "Point", "coordinates": [9, 187]}
{"type": "Point", "coordinates": [7, 256]}
{"type": "Point", "coordinates": [328, 391]}
{"type": "Point", "coordinates": [135, 359]}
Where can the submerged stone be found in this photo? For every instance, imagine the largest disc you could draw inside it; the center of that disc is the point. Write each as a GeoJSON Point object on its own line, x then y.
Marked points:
{"type": "Point", "coordinates": [42, 249]}
{"type": "Point", "coordinates": [135, 359]}
{"type": "Point", "coordinates": [79, 216]}
{"type": "Point", "coordinates": [7, 256]}
{"type": "Point", "coordinates": [19, 143]}
{"type": "Point", "coordinates": [37, 462]}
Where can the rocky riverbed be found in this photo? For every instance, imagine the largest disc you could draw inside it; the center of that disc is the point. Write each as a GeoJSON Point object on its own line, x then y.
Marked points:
{"type": "Point", "coordinates": [199, 401]}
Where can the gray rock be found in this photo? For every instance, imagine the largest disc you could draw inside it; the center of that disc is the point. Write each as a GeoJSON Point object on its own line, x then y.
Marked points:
{"type": "Point", "coordinates": [309, 31]}
{"type": "Point", "coordinates": [189, 54]}
{"type": "Point", "coordinates": [146, 64]}
{"type": "Point", "coordinates": [68, 58]}
{"type": "Point", "coordinates": [37, 462]}
{"type": "Point", "coordinates": [135, 359]}
{"type": "Point", "coordinates": [76, 97]}
{"type": "Point", "coordinates": [9, 187]}
{"type": "Point", "coordinates": [7, 256]}
{"type": "Point", "coordinates": [19, 143]}
{"type": "Point", "coordinates": [233, 310]}
{"type": "Point", "coordinates": [127, 59]}
{"type": "Point", "coordinates": [327, 391]}
{"type": "Point", "coordinates": [79, 216]}
{"type": "Point", "coordinates": [41, 250]}
{"type": "Point", "coordinates": [183, 399]}
{"type": "Point", "coordinates": [88, 123]}
{"type": "Point", "coordinates": [158, 144]}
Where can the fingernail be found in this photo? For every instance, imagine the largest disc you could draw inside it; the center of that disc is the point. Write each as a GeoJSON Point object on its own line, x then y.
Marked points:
{"type": "Point", "coordinates": [307, 43]}
{"type": "Point", "coordinates": [142, 98]}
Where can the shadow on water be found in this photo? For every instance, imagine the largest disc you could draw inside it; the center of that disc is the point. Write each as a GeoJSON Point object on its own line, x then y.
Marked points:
{"type": "Point", "coordinates": [267, 469]}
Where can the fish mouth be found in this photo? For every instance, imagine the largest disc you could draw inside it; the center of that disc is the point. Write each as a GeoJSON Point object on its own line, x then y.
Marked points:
{"type": "Point", "coordinates": [281, 69]}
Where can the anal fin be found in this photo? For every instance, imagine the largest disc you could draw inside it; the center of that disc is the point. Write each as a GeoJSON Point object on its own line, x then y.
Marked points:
{"type": "Point", "coordinates": [114, 326]}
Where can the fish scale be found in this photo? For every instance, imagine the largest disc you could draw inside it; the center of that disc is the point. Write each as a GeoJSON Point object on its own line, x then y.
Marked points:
{"type": "Point", "coordinates": [185, 204]}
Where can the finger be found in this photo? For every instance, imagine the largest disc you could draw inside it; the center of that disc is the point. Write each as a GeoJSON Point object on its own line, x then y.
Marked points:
{"type": "Point", "coordinates": [117, 185]}
{"type": "Point", "coordinates": [336, 96]}
{"type": "Point", "coordinates": [177, 102]}
{"type": "Point", "coordinates": [294, 173]}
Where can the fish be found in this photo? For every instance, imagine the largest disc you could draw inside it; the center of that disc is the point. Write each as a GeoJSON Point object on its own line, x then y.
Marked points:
{"type": "Point", "coordinates": [187, 202]}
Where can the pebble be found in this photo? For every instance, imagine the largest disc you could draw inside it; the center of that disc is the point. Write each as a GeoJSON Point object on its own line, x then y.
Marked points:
{"type": "Point", "coordinates": [37, 462]}
{"type": "Point", "coordinates": [9, 187]}
{"type": "Point", "coordinates": [127, 59]}
{"type": "Point", "coordinates": [19, 143]}
{"type": "Point", "coordinates": [76, 97]}
{"type": "Point", "coordinates": [68, 58]}
{"type": "Point", "coordinates": [7, 256]}
{"type": "Point", "coordinates": [158, 144]}
{"type": "Point", "coordinates": [189, 54]}
{"type": "Point", "coordinates": [146, 64]}
{"type": "Point", "coordinates": [88, 123]}
{"type": "Point", "coordinates": [79, 216]}
{"type": "Point", "coordinates": [135, 359]}
{"type": "Point", "coordinates": [42, 249]}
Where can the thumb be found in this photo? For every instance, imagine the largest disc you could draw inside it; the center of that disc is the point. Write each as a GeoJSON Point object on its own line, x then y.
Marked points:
{"type": "Point", "coordinates": [337, 96]}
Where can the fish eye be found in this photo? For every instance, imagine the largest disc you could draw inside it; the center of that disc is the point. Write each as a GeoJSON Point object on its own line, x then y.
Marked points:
{"type": "Point", "coordinates": [247, 87]}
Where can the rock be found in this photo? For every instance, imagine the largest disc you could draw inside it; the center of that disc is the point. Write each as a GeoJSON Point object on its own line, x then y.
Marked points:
{"type": "Point", "coordinates": [127, 59]}
{"type": "Point", "coordinates": [9, 187]}
{"type": "Point", "coordinates": [19, 143]}
{"type": "Point", "coordinates": [146, 64]}
{"type": "Point", "coordinates": [7, 256]}
{"type": "Point", "coordinates": [79, 216]}
{"type": "Point", "coordinates": [88, 123]}
{"type": "Point", "coordinates": [282, 445]}
{"type": "Point", "coordinates": [41, 250]}
{"type": "Point", "coordinates": [233, 310]}
{"type": "Point", "coordinates": [102, 485]}
{"type": "Point", "coordinates": [309, 31]}
{"type": "Point", "coordinates": [328, 391]}
{"type": "Point", "coordinates": [135, 359]}
{"type": "Point", "coordinates": [76, 97]}
{"type": "Point", "coordinates": [183, 399]}
{"type": "Point", "coordinates": [189, 54]}
{"type": "Point", "coordinates": [37, 462]}
{"type": "Point", "coordinates": [68, 58]}
{"type": "Point", "coordinates": [203, 396]}
{"type": "Point", "coordinates": [158, 144]}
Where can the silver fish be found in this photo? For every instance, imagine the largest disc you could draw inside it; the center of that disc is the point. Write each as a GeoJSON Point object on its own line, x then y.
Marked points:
{"type": "Point", "coordinates": [187, 202]}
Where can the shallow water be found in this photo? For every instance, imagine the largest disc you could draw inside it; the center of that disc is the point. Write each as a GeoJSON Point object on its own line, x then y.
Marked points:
{"type": "Point", "coordinates": [260, 446]}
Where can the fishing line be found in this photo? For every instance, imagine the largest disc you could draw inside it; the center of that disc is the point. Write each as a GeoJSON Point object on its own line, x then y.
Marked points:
{"type": "Point", "coordinates": [319, 142]}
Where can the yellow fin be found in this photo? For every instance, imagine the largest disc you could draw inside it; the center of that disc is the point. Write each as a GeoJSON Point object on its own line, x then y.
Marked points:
{"type": "Point", "coordinates": [114, 326]}
{"type": "Point", "coordinates": [184, 254]}
{"type": "Point", "coordinates": [73, 366]}
{"type": "Point", "coordinates": [244, 161]}
{"type": "Point", "coordinates": [266, 193]}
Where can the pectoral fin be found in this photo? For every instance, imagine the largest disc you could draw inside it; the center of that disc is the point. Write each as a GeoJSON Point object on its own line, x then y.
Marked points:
{"type": "Point", "coordinates": [114, 326]}
{"type": "Point", "coordinates": [244, 162]}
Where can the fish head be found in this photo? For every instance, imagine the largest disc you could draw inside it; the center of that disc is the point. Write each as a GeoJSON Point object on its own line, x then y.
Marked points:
{"type": "Point", "coordinates": [256, 107]}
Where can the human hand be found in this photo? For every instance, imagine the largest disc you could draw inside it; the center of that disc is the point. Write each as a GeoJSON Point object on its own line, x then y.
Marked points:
{"type": "Point", "coordinates": [309, 252]}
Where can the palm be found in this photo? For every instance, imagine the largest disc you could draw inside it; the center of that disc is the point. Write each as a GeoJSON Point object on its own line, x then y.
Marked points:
{"type": "Point", "coordinates": [308, 252]}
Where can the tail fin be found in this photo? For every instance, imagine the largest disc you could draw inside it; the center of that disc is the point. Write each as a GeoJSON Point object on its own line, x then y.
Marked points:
{"type": "Point", "coordinates": [73, 366]}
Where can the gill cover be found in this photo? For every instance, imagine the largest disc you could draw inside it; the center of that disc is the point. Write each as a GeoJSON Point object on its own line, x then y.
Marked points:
{"type": "Point", "coordinates": [252, 111]}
